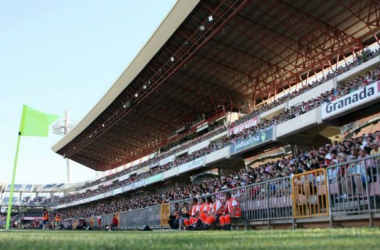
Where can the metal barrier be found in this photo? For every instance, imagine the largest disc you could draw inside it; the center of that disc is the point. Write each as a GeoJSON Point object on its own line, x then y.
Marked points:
{"type": "Point", "coordinates": [269, 200]}
{"type": "Point", "coordinates": [354, 187]}
{"type": "Point", "coordinates": [106, 219]}
{"type": "Point", "coordinates": [140, 217]}
{"type": "Point", "coordinates": [67, 222]}
{"type": "Point", "coordinates": [310, 195]}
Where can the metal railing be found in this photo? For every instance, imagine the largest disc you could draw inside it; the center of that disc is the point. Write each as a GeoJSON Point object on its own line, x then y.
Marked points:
{"type": "Point", "coordinates": [141, 217]}
{"type": "Point", "coordinates": [354, 187]}
{"type": "Point", "coordinates": [310, 196]}
{"type": "Point", "coordinates": [269, 200]}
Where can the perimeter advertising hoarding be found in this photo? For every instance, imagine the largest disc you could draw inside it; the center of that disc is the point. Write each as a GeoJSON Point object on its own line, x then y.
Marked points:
{"type": "Point", "coordinates": [252, 141]}
{"type": "Point", "coordinates": [139, 184]}
{"type": "Point", "coordinates": [117, 191]}
{"type": "Point", "coordinates": [155, 164]}
{"type": "Point", "coordinates": [154, 178]}
{"type": "Point", "coordinates": [143, 170]}
{"type": "Point", "coordinates": [31, 218]}
{"type": "Point", "coordinates": [124, 177]}
{"type": "Point", "coordinates": [192, 165]}
{"type": "Point", "coordinates": [352, 100]}
{"type": "Point", "coordinates": [170, 173]}
{"type": "Point", "coordinates": [127, 188]}
{"type": "Point", "coordinates": [167, 160]}
{"type": "Point", "coordinates": [247, 124]}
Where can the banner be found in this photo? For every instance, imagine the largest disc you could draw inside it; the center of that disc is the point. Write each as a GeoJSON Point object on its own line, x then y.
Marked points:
{"type": "Point", "coordinates": [127, 188]}
{"type": "Point", "coordinates": [352, 100]}
{"type": "Point", "coordinates": [139, 183]}
{"type": "Point", "coordinates": [170, 173]}
{"type": "Point", "coordinates": [167, 160]}
{"type": "Point", "coordinates": [247, 124]}
{"type": "Point", "coordinates": [252, 141]}
{"type": "Point", "coordinates": [202, 127]}
{"type": "Point", "coordinates": [154, 178]}
{"type": "Point", "coordinates": [143, 170]}
{"type": "Point", "coordinates": [107, 183]}
{"type": "Point", "coordinates": [124, 177]}
{"type": "Point", "coordinates": [192, 165]}
{"type": "Point", "coordinates": [31, 218]}
{"type": "Point", "coordinates": [82, 191]}
{"type": "Point", "coordinates": [152, 165]}
{"type": "Point", "coordinates": [117, 191]}
{"type": "Point", "coordinates": [199, 146]}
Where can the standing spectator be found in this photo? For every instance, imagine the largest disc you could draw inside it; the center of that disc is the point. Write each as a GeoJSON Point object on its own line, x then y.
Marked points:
{"type": "Point", "coordinates": [45, 218]}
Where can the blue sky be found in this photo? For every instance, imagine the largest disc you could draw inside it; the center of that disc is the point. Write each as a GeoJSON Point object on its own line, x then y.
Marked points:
{"type": "Point", "coordinates": [58, 55]}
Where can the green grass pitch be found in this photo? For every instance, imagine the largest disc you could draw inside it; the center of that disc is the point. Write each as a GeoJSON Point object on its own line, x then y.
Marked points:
{"type": "Point", "coordinates": [354, 238]}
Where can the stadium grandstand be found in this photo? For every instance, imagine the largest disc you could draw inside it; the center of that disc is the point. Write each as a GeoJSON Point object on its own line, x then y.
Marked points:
{"type": "Point", "coordinates": [268, 109]}
{"type": "Point", "coordinates": [36, 194]}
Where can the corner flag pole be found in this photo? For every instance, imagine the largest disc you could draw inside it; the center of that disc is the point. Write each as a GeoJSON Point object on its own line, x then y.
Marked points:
{"type": "Point", "coordinates": [33, 123]}
{"type": "Point", "coordinates": [12, 185]}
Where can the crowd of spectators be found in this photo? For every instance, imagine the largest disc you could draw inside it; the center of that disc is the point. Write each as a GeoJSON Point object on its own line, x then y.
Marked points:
{"type": "Point", "coordinates": [364, 56]}
{"type": "Point", "coordinates": [39, 200]}
{"type": "Point", "coordinates": [158, 157]}
{"type": "Point", "coordinates": [292, 112]}
{"type": "Point", "coordinates": [304, 161]}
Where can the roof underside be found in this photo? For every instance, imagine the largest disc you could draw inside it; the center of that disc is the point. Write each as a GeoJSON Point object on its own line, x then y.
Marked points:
{"type": "Point", "coordinates": [249, 50]}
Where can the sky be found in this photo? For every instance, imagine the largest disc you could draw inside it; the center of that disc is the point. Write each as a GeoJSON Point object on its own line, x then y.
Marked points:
{"type": "Point", "coordinates": [63, 55]}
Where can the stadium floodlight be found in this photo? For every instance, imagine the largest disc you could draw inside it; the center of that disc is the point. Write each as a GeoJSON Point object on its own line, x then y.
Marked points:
{"type": "Point", "coordinates": [202, 27]}
{"type": "Point", "coordinates": [63, 127]}
{"type": "Point", "coordinates": [136, 95]}
{"type": "Point", "coordinates": [210, 18]}
{"type": "Point", "coordinates": [144, 87]}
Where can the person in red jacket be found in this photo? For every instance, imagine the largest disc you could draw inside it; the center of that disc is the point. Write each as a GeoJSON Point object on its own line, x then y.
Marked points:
{"type": "Point", "coordinates": [232, 211]}
{"type": "Point", "coordinates": [114, 223]}
{"type": "Point", "coordinates": [192, 222]}
{"type": "Point", "coordinates": [216, 210]}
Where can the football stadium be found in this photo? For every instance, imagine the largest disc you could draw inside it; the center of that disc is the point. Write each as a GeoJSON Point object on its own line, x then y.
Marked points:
{"type": "Point", "coordinates": [240, 123]}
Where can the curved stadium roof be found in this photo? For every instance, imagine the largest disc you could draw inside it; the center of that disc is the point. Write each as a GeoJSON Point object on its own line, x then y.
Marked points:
{"type": "Point", "coordinates": [211, 53]}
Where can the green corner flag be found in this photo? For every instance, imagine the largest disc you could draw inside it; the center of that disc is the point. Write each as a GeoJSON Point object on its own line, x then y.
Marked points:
{"type": "Point", "coordinates": [33, 123]}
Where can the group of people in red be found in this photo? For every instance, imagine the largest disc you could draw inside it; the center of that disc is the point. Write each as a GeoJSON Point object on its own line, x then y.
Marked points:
{"type": "Point", "coordinates": [205, 213]}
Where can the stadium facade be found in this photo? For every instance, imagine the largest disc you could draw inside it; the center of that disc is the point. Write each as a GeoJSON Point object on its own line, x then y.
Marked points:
{"type": "Point", "coordinates": [220, 84]}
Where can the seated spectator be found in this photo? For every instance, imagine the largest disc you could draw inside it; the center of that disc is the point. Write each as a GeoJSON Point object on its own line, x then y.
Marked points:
{"type": "Point", "coordinates": [174, 217]}
{"type": "Point", "coordinates": [114, 224]}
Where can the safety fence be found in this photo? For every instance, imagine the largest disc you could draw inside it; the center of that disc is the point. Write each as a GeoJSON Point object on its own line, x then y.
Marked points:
{"type": "Point", "coordinates": [347, 189]}
{"type": "Point", "coordinates": [140, 217]}
{"type": "Point", "coordinates": [310, 197]}
{"type": "Point", "coordinates": [354, 187]}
